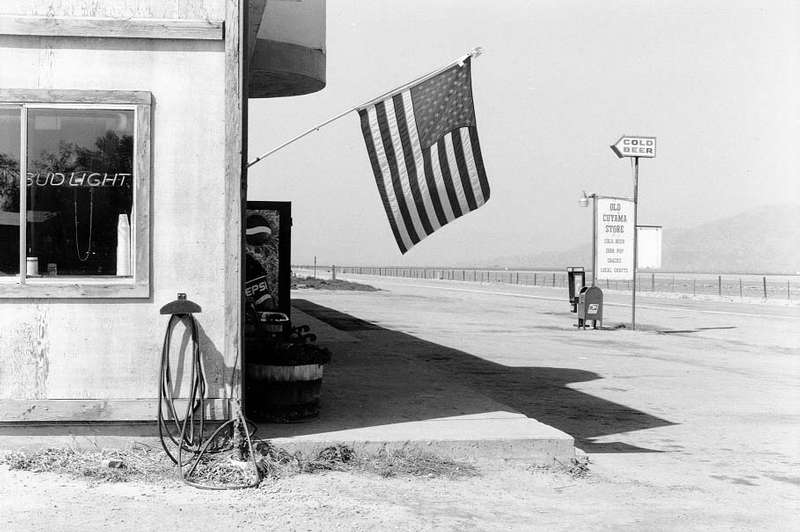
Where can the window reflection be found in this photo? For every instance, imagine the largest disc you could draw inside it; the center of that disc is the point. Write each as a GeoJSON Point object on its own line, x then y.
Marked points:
{"type": "Point", "coordinates": [79, 191]}
{"type": "Point", "coordinates": [9, 190]}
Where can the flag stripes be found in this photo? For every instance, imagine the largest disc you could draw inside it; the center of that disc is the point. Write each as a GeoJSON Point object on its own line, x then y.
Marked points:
{"type": "Point", "coordinates": [422, 188]}
{"type": "Point", "coordinates": [376, 170]}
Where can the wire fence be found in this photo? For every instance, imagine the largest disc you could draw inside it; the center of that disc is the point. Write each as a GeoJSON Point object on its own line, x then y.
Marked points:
{"type": "Point", "coordinates": [785, 287]}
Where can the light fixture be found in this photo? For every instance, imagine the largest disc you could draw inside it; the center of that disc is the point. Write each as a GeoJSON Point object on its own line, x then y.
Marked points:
{"type": "Point", "coordinates": [584, 200]}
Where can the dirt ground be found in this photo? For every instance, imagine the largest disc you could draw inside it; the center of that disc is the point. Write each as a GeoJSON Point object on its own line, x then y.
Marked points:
{"type": "Point", "coordinates": [503, 497]}
{"type": "Point", "coordinates": [306, 502]}
{"type": "Point", "coordinates": [690, 423]}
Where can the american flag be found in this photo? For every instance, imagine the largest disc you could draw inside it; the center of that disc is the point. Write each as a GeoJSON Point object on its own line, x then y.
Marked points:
{"type": "Point", "coordinates": [423, 146]}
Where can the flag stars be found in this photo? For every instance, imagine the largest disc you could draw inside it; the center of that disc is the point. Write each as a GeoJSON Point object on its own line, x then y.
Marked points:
{"type": "Point", "coordinates": [442, 104]}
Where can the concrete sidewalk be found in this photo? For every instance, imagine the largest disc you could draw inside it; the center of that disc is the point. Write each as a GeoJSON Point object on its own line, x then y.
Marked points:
{"type": "Point", "coordinates": [377, 394]}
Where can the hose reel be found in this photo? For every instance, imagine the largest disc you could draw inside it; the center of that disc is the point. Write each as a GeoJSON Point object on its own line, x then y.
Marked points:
{"type": "Point", "coordinates": [188, 434]}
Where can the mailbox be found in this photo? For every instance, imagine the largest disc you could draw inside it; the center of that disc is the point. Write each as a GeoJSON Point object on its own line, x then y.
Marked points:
{"type": "Point", "coordinates": [590, 306]}
{"type": "Point", "coordinates": [576, 280]}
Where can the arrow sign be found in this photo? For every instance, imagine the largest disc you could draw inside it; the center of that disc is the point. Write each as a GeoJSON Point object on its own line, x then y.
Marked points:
{"type": "Point", "coordinates": [631, 146]}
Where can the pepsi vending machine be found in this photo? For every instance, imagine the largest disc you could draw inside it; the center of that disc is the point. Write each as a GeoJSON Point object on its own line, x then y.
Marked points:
{"type": "Point", "coordinates": [268, 236]}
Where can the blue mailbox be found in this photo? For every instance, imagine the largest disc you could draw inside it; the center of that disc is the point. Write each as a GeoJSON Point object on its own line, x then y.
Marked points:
{"type": "Point", "coordinates": [590, 306]}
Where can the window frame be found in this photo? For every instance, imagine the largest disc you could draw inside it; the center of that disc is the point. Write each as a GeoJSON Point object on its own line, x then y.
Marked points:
{"type": "Point", "coordinates": [138, 284]}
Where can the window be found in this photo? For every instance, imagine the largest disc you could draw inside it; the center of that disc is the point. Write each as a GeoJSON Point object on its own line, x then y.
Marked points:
{"type": "Point", "coordinates": [77, 224]}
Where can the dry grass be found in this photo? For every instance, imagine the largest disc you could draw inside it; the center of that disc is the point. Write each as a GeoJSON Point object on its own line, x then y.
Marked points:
{"type": "Point", "coordinates": [101, 465]}
{"type": "Point", "coordinates": [330, 284]}
{"type": "Point", "coordinates": [577, 467]}
{"type": "Point", "coordinates": [415, 463]}
{"type": "Point", "coordinates": [222, 469]}
{"type": "Point", "coordinates": [276, 462]}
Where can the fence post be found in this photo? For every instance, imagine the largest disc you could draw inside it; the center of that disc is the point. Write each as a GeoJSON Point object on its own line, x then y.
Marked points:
{"type": "Point", "coordinates": [534, 278]}
{"type": "Point", "coordinates": [652, 282]}
{"type": "Point", "coordinates": [741, 292]}
{"type": "Point", "coordinates": [719, 284]}
{"type": "Point", "coordinates": [554, 279]}
{"type": "Point", "coordinates": [333, 272]}
{"type": "Point", "coordinates": [764, 279]}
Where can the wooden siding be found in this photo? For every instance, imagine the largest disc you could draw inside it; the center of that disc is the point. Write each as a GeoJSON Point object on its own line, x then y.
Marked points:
{"type": "Point", "coordinates": [111, 27]}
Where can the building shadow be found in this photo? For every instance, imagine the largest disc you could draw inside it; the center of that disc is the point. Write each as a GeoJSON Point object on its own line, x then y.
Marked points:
{"type": "Point", "coordinates": [387, 376]}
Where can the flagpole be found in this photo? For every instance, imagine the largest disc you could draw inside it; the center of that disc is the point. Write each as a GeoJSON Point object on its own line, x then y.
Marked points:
{"type": "Point", "coordinates": [460, 60]}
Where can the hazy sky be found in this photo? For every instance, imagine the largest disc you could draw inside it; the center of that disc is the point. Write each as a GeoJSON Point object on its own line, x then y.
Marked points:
{"type": "Point", "coordinates": [718, 82]}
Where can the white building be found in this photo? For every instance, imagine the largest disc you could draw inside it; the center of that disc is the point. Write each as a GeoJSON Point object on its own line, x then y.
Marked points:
{"type": "Point", "coordinates": [127, 120]}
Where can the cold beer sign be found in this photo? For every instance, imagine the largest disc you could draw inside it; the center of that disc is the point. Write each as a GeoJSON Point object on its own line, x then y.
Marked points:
{"type": "Point", "coordinates": [630, 146]}
{"type": "Point", "coordinates": [614, 239]}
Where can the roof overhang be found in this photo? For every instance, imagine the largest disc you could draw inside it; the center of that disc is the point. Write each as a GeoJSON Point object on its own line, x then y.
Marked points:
{"type": "Point", "coordinates": [286, 48]}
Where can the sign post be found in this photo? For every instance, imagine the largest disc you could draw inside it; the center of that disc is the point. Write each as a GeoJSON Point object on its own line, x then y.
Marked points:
{"type": "Point", "coordinates": [635, 147]}
{"type": "Point", "coordinates": [635, 236]}
{"type": "Point", "coordinates": [594, 240]}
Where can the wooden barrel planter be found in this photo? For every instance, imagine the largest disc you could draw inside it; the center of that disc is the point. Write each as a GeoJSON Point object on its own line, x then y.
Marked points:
{"type": "Point", "coordinates": [283, 381]}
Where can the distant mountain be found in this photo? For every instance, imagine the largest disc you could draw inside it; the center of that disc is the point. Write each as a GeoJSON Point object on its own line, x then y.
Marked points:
{"type": "Point", "coordinates": [762, 240]}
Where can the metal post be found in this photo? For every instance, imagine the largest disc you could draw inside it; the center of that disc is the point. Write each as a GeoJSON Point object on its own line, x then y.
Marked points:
{"type": "Point", "coordinates": [23, 197]}
{"type": "Point", "coordinates": [764, 279]}
{"type": "Point", "coordinates": [719, 285]}
{"type": "Point", "coordinates": [741, 292]}
{"type": "Point", "coordinates": [635, 238]}
{"type": "Point", "coordinates": [594, 238]}
{"type": "Point", "coordinates": [315, 266]}
{"type": "Point", "coordinates": [652, 282]}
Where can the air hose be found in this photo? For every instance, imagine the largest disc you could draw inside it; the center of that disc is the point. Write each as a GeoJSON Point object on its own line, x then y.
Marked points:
{"type": "Point", "coordinates": [187, 434]}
